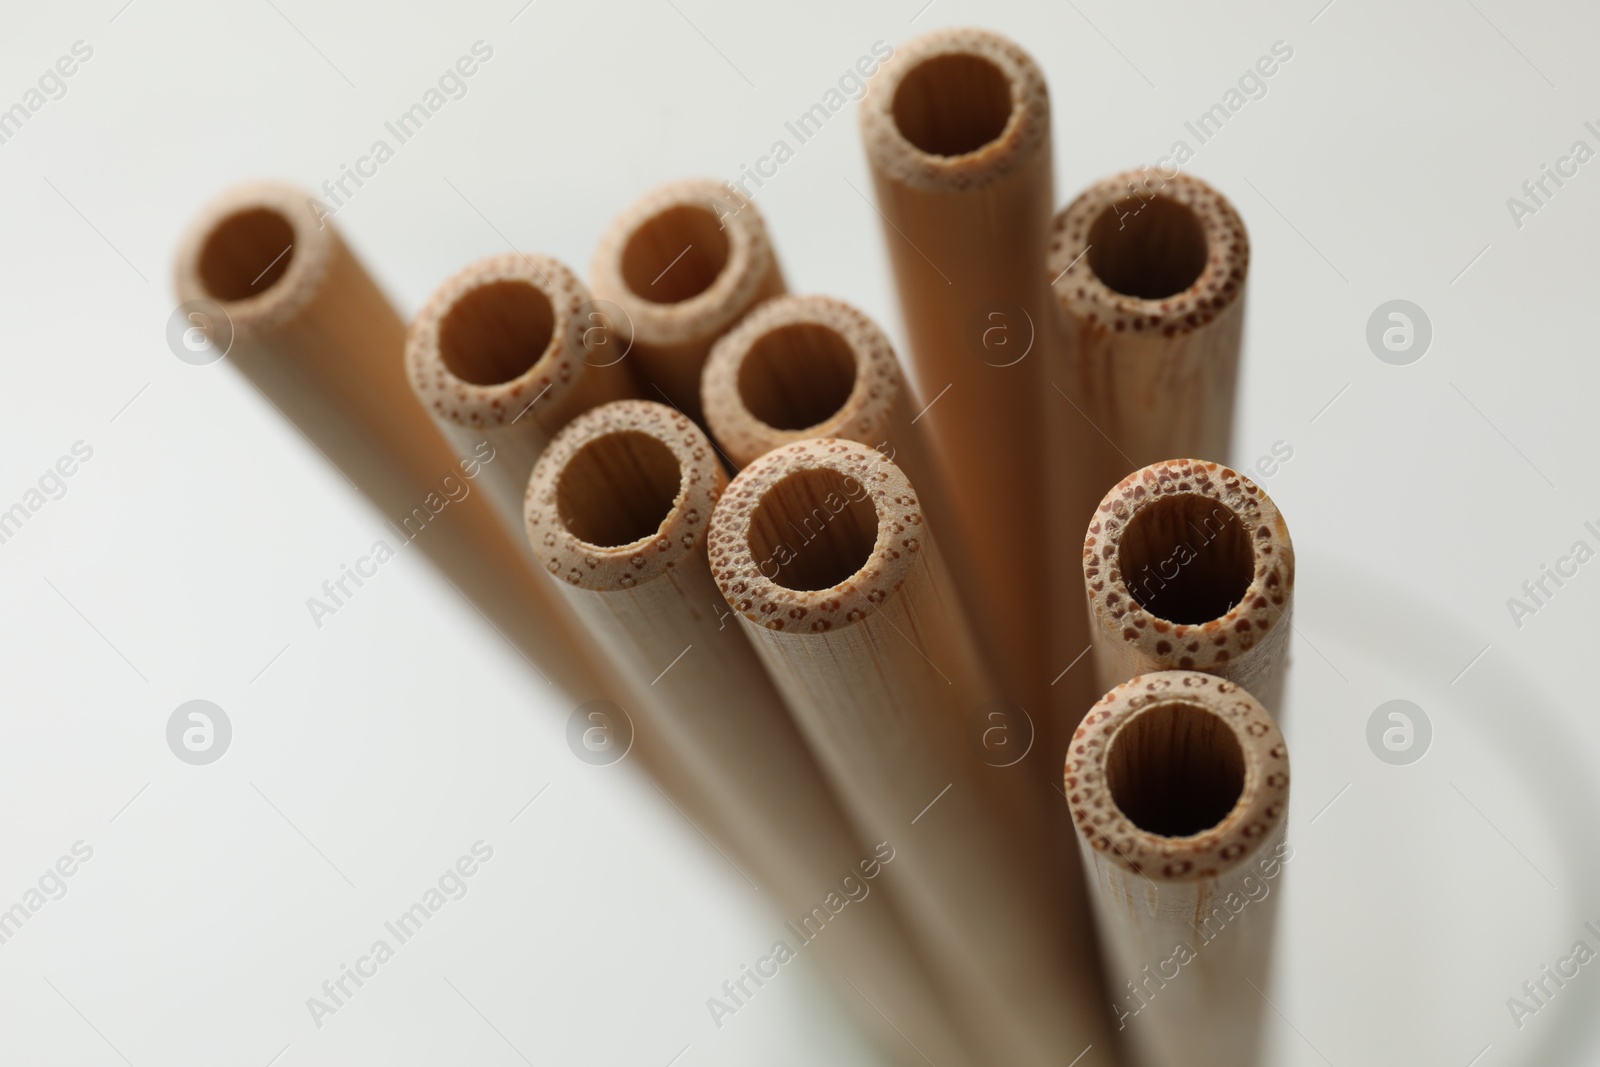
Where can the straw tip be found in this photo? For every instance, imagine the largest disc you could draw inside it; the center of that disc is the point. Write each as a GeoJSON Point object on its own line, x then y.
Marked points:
{"type": "Point", "coordinates": [1177, 776]}
{"type": "Point", "coordinates": [815, 535]}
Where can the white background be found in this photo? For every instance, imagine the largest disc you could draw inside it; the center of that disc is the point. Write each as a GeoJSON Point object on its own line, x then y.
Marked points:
{"type": "Point", "coordinates": [369, 754]}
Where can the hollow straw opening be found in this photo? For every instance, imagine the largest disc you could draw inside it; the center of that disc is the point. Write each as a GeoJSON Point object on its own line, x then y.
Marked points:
{"type": "Point", "coordinates": [1186, 558]}
{"type": "Point", "coordinates": [1175, 769]}
{"type": "Point", "coordinates": [494, 333]}
{"type": "Point", "coordinates": [953, 104]}
{"type": "Point", "coordinates": [813, 530]}
{"type": "Point", "coordinates": [246, 253]}
{"type": "Point", "coordinates": [618, 489]}
{"type": "Point", "coordinates": [1147, 248]}
{"type": "Point", "coordinates": [797, 376]}
{"type": "Point", "coordinates": [675, 255]}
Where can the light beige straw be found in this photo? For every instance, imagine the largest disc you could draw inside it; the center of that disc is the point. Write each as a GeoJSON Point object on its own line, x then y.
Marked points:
{"type": "Point", "coordinates": [1149, 274]}
{"type": "Point", "coordinates": [1189, 565]}
{"type": "Point", "coordinates": [1179, 784]}
{"type": "Point", "coordinates": [822, 549]}
{"type": "Point", "coordinates": [510, 349]}
{"type": "Point", "coordinates": [956, 127]}
{"type": "Point", "coordinates": [811, 366]}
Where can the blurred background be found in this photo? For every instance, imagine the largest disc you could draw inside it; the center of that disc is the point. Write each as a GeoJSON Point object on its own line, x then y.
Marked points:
{"type": "Point", "coordinates": [1385, 160]}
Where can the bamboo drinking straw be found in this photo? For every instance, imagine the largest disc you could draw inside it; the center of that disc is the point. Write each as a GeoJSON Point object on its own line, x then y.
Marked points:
{"type": "Point", "coordinates": [1149, 276]}
{"type": "Point", "coordinates": [510, 350]}
{"type": "Point", "coordinates": [322, 343]}
{"type": "Point", "coordinates": [957, 134]}
{"type": "Point", "coordinates": [319, 340]}
{"type": "Point", "coordinates": [1189, 565]}
{"type": "Point", "coordinates": [1179, 784]}
{"type": "Point", "coordinates": [810, 366]}
{"type": "Point", "coordinates": [617, 512]}
{"type": "Point", "coordinates": [822, 549]}
{"type": "Point", "coordinates": [683, 263]}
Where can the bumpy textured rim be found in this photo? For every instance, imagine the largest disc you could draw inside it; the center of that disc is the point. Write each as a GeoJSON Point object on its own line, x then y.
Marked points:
{"type": "Point", "coordinates": [708, 313]}
{"type": "Point", "coordinates": [681, 534]}
{"type": "Point", "coordinates": [862, 417]}
{"type": "Point", "coordinates": [1260, 810]}
{"type": "Point", "coordinates": [1025, 134]}
{"type": "Point", "coordinates": [761, 600]}
{"type": "Point", "coordinates": [1211, 645]}
{"type": "Point", "coordinates": [1221, 282]}
{"type": "Point", "coordinates": [311, 258]}
{"type": "Point", "coordinates": [552, 374]}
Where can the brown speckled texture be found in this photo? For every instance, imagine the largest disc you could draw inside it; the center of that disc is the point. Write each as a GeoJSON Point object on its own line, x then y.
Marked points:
{"type": "Point", "coordinates": [682, 532]}
{"type": "Point", "coordinates": [863, 417]}
{"type": "Point", "coordinates": [314, 250]}
{"type": "Point", "coordinates": [1259, 814]}
{"type": "Point", "coordinates": [763, 601]}
{"type": "Point", "coordinates": [894, 156]}
{"type": "Point", "coordinates": [554, 372]}
{"type": "Point", "coordinates": [1085, 297]}
{"type": "Point", "coordinates": [708, 313]}
{"type": "Point", "coordinates": [1219, 644]}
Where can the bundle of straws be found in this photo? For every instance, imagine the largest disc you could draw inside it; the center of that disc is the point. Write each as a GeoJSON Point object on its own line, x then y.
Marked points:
{"type": "Point", "coordinates": [1009, 640]}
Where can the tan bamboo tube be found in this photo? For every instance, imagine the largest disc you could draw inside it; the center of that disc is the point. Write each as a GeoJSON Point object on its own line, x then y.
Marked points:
{"type": "Point", "coordinates": [1149, 276]}
{"type": "Point", "coordinates": [821, 548]}
{"type": "Point", "coordinates": [957, 134]}
{"type": "Point", "coordinates": [811, 366]}
{"type": "Point", "coordinates": [683, 263]}
{"type": "Point", "coordinates": [1179, 785]}
{"type": "Point", "coordinates": [317, 337]}
{"type": "Point", "coordinates": [319, 340]}
{"type": "Point", "coordinates": [504, 351]}
{"type": "Point", "coordinates": [617, 512]}
{"type": "Point", "coordinates": [1189, 566]}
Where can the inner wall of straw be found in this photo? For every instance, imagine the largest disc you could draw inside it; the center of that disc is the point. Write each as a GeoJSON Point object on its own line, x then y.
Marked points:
{"type": "Point", "coordinates": [953, 104]}
{"type": "Point", "coordinates": [1147, 248]}
{"type": "Point", "coordinates": [618, 489]}
{"type": "Point", "coordinates": [1175, 769]}
{"type": "Point", "coordinates": [797, 376]}
{"type": "Point", "coordinates": [246, 254]}
{"type": "Point", "coordinates": [1186, 558]}
{"type": "Point", "coordinates": [815, 529]}
{"type": "Point", "coordinates": [494, 333]}
{"type": "Point", "coordinates": [675, 255]}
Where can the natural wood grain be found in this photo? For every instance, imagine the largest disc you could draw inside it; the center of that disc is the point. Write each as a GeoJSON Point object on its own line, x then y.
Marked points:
{"type": "Point", "coordinates": [1179, 786]}
{"type": "Point", "coordinates": [1189, 565]}
{"type": "Point", "coordinates": [510, 349]}
{"type": "Point", "coordinates": [617, 511]}
{"type": "Point", "coordinates": [822, 549]}
{"type": "Point", "coordinates": [956, 128]}
{"type": "Point", "coordinates": [682, 264]}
